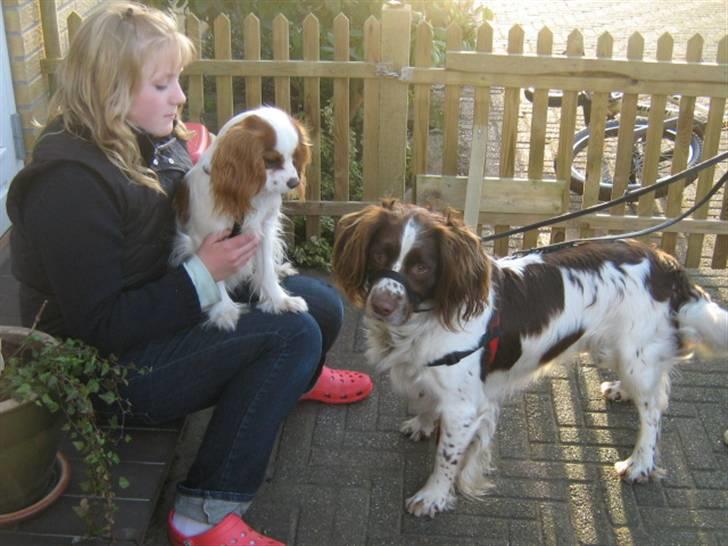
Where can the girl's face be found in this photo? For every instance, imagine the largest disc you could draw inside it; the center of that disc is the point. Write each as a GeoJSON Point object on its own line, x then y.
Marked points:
{"type": "Point", "coordinates": [156, 100]}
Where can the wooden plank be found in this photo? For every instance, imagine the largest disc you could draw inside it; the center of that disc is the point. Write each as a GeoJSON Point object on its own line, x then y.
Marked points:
{"type": "Point", "coordinates": [370, 130]}
{"type": "Point", "coordinates": [281, 48]}
{"type": "Point", "coordinates": [341, 112]}
{"type": "Point", "coordinates": [473, 192]}
{"type": "Point", "coordinates": [496, 195]}
{"type": "Point", "coordinates": [223, 84]}
{"type": "Point", "coordinates": [655, 118]}
{"type": "Point", "coordinates": [393, 101]}
{"type": "Point", "coordinates": [673, 206]}
{"type": "Point", "coordinates": [195, 87]}
{"type": "Point", "coordinates": [253, 82]}
{"type": "Point", "coordinates": [579, 81]}
{"type": "Point", "coordinates": [73, 24]}
{"type": "Point", "coordinates": [451, 110]}
{"type": "Point", "coordinates": [660, 70]}
{"type": "Point", "coordinates": [421, 104]}
{"type": "Point", "coordinates": [481, 107]}
{"type": "Point", "coordinates": [51, 38]}
{"type": "Point", "coordinates": [509, 132]}
{"type": "Point", "coordinates": [539, 116]}
{"type": "Point", "coordinates": [312, 110]}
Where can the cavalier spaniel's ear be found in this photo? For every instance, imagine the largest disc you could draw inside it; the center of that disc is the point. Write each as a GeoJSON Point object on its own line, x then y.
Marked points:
{"type": "Point", "coordinates": [301, 155]}
{"type": "Point", "coordinates": [354, 234]}
{"type": "Point", "coordinates": [238, 171]}
{"type": "Point", "coordinates": [464, 272]}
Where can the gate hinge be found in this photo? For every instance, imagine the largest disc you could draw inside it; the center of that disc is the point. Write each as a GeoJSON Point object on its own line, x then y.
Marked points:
{"type": "Point", "coordinates": [16, 123]}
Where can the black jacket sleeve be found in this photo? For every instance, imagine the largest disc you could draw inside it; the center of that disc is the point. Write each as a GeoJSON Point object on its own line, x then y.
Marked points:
{"type": "Point", "coordinates": [76, 226]}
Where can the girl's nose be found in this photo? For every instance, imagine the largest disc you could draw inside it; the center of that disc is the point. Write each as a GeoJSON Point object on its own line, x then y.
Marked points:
{"type": "Point", "coordinates": [178, 96]}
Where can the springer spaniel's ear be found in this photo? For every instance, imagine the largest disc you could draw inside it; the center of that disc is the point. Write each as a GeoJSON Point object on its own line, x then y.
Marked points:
{"type": "Point", "coordinates": [238, 171]}
{"type": "Point", "coordinates": [301, 155]}
{"type": "Point", "coordinates": [464, 272]}
{"type": "Point", "coordinates": [354, 233]}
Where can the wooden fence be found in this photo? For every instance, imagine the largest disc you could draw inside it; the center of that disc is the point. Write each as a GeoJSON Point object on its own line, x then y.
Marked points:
{"type": "Point", "coordinates": [414, 112]}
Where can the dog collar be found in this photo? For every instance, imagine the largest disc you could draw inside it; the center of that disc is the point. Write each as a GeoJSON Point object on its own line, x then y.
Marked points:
{"type": "Point", "coordinates": [489, 341]}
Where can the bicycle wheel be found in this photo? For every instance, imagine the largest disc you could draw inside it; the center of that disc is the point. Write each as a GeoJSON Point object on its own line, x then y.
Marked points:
{"type": "Point", "coordinates": [611, 131]}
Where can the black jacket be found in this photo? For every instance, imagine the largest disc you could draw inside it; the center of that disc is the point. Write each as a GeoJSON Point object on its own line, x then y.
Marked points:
{"type": "Point", "coordinates": [95, 245]}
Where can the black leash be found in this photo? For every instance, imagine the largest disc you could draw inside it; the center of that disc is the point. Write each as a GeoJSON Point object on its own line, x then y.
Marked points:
{"type": "Point", "coordinates": [628, 196]}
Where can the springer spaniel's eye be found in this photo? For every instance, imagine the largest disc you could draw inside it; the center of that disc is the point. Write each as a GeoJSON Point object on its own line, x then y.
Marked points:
{"type": "Point", "coordinates": [379, 257]}
{"type": "Point", "coordinates": [421, 269]}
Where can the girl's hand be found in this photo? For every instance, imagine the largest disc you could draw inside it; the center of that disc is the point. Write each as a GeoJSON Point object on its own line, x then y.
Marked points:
{"type": "Point", "coordinates": [223, 256]}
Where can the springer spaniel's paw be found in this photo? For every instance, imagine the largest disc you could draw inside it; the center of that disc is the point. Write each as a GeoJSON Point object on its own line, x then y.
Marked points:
{"type": "Point", "coordinates": [415, 429]}
{"type": "Point", "coordinates": [429, 501]}
{"type": "Point", "coordinates": [632, 472]}
{"type": "Point", "coordinates": [224, 315]}
{"type": "Point", "coordinates": [287, 304]}
{"type": "Point", "coordinates": [286, 270]}
{"type": "Point", "coordinates": [613, 391]}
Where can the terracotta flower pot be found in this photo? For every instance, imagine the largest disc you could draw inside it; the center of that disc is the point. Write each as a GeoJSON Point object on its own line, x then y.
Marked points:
{"type": "Point", "coordinates": [29, 440]}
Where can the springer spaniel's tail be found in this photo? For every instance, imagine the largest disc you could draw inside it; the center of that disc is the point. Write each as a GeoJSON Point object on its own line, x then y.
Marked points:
{"type": "Point", "coordinates": [707, 321]}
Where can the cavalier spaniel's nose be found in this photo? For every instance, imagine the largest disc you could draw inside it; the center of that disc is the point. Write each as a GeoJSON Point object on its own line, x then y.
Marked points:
{"type": "Point", "coordinates": [292, 183]}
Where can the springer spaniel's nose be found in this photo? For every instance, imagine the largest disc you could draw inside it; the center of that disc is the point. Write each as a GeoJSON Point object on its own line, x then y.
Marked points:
{"type": "Point", "coordinates": [383, 305]}
{"type": "Point", "coordinates": [293, 182]}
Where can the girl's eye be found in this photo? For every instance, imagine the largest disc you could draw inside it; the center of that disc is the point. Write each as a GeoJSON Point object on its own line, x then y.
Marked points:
{"type": "Point", "coordinates": [160, 87]}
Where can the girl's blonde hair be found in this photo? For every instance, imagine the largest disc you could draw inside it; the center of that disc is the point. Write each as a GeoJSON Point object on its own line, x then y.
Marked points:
{"type": "Point", "coordinates": [103, 69]}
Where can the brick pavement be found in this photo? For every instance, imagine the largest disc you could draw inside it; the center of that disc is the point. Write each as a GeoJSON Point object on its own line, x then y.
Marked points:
{"type": "Point", "coordinates": [339, 475]}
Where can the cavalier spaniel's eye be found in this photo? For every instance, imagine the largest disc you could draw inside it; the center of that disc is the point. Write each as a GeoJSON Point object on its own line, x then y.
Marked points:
{"type": "Point", "coordinates": [272, 161]}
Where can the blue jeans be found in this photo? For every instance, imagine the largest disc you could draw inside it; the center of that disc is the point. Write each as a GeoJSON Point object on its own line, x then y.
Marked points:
{"type": "Point", "coordinates": [253, 376]}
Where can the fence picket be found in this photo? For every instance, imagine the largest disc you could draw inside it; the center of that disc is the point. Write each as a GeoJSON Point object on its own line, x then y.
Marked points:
{"type": "Point", "coordinates": [341, 112]}
{"type": "Point", "coordinates": [195, 88]}
{"type": "Point", "coordinates": [370, 136]}
{"type": "Point", "coordinates": [673, 206]}
{"type": "Point", "coordinates": [421, 106]}
{"type": "Point", "coordinates": [544, 46]}
{"type": "Point", "coordinates": [251, 43]}
{"type": "Point", "coordinates": [223, 84]}
{"type": "Point", "coordinates": [451, 110]}
{"type": "Point", "coordinates": [720, 252]}
{"type": "Point", "coordinates": [625, 136]}
{"type": "Point", "coordinates": [655, 120]}
{"type": "Point", "coordinates": [509, 134]}
{"type": "Point", "coordinates": [281, 49]}
{"type": "Point", "coordinates": [597, 124]}
{"type": "Point", "coordinates": [711, 142]}
{"type": "Point", "coordinates": [312, 112]}
{"type": "Point", "coordinates": [567, 126]}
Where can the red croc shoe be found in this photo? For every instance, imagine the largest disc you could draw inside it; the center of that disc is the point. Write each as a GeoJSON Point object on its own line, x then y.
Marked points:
{"type": "Point", "coordinates": [339, 387]}
{"type": "Point", "coordinates": [230, 531]}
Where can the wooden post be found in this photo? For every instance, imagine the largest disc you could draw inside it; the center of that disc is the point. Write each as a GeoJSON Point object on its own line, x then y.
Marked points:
{"type": "Point", "coordinates": [195, 87]}
{"type": "Point", "coordinates": [223, 84]}
{"type": "Point", "coordinates": [342, 150]}
{"type": "Point", "coordinates": [312, 109]}
{"type": "Point", "coordinates": [396, 23]}
{"type": "Point", "coordinates": [253, 84]}
{"type": "Point", "coordinates": [51, 37]}
{"type": "Point", "coordinates": [370, 140]}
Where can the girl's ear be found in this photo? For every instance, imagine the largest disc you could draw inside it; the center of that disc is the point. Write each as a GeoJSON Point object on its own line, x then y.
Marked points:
{"type": "Point", "coordinates": [237, 173]}
{"type": "Point", "coordinates": [464, 273]}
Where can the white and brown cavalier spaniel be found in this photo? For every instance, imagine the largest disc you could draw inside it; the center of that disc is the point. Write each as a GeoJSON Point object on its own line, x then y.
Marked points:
{"type": "Point", "coordinates": [239, 183]}
{"type": "Point", "coordinates": [459, 331]}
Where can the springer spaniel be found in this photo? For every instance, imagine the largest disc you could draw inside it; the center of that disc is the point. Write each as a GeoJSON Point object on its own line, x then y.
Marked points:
{"type": "Point", "coordinates": [238, 183]}
{"type": "Point", "coordinates": [459, 331]}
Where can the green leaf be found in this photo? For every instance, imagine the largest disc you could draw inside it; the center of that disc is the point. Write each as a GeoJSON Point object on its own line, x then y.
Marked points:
{"type": "Point", "coordinates": [123, 482]}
